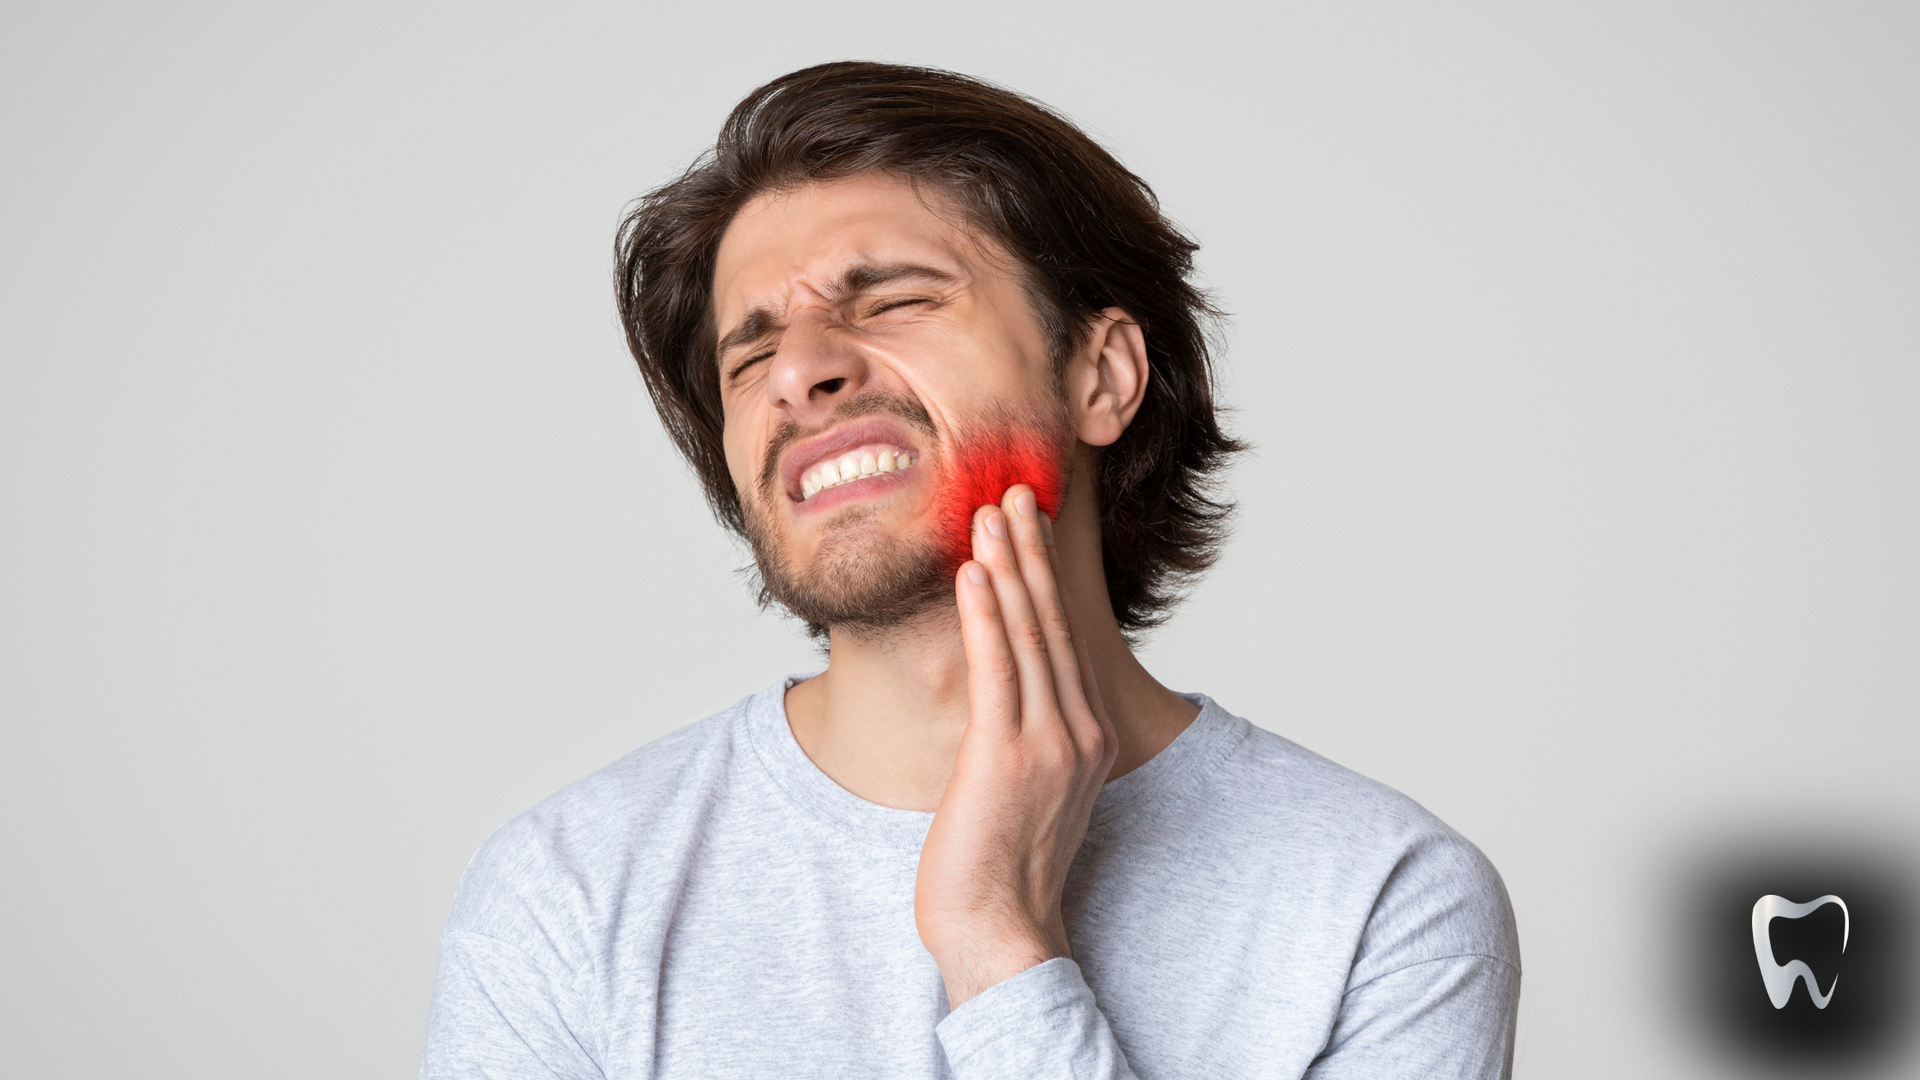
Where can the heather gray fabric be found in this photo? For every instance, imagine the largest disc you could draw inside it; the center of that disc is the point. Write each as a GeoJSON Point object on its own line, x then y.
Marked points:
{"type": "Point", "coordinates": [712, 905]}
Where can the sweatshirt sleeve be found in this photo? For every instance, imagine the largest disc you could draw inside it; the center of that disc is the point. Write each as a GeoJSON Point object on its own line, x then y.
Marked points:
{"type": "Point", "coordinates": [499, 1014]}
{"type": "Point", "coordinates": [1435, 985]}
{"type": "Point", "coordinates": [1448, 1019]}
{"type": "Point", "coordinates": [509, 999]}
{"type": "Point", "coordinates": [1041, 1024]}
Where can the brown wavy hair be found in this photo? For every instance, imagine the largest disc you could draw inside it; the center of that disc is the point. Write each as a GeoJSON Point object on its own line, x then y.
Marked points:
{"type": "Point", "coordinates": [1086, 233]}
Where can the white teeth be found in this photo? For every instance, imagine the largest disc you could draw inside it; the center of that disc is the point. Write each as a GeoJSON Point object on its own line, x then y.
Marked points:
{"type": "Point", "coordinates": [856, 465]}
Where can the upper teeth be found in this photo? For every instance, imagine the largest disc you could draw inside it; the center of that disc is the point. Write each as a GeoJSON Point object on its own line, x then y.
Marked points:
{"type": "Point", "coordinates": [866, 461]}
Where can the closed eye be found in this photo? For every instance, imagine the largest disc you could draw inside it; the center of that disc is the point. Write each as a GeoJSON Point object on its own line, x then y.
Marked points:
{"type": "Point", "coordinates": [888, 305]}
{"type": "Point", "coordinates": [879, 309]}
{"type": "Point", "coordinates": [734, 372]}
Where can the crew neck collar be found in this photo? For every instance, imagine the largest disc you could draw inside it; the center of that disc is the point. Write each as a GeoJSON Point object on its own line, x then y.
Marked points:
{"type": "Point", "coordinates": [1163, 779]}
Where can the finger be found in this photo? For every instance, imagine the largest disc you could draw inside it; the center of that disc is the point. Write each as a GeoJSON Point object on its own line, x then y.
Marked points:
{"type": "Point", "coordinates": [992, 545]}
{"type": "Point", "coordinates": [1039, 572]}
{"type": "Point", "coordinates": [1096, 705]}
{"type": "Point", "coordinates": [1089, 686]}
{"type": "Point", "coordinates": [1089, 722]}
{"type": "Point", "coordinates": [993, 683]}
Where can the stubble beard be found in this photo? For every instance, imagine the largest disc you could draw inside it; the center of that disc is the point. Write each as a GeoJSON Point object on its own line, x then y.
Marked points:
{"type": "Point", "coordinates": [861, 579]}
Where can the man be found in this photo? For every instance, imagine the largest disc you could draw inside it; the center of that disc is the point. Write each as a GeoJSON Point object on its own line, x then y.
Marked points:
{"type": "Point", "coordinates": [934, 353]}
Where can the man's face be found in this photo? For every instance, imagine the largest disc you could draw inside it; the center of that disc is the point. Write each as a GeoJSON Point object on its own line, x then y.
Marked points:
{"type": "Point", "coordinates": [881, 369]}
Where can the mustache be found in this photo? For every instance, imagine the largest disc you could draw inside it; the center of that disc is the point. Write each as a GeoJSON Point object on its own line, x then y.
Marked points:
{"type": "Point", "coordinates": [869, 403]}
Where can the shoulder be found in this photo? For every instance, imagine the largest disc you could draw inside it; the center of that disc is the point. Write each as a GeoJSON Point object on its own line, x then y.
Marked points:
{"type": "Point", "coordinates": [1428, 891]}
{"type": "Point", "coordinates": [557, 860]}
{"type": "Point", "coordinates": [1281, 789]}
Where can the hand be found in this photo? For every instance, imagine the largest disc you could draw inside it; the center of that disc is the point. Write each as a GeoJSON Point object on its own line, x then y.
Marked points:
{"type": "Point", "coordinates": [1038, 745]}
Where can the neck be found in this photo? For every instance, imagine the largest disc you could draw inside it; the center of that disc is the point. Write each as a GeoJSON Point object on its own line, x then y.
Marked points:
{"type": "Point", "coordinates": [885, 719]}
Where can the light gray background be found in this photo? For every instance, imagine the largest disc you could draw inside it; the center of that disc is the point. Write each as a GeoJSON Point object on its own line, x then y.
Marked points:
{"type": "Point", "coordinates": [1578, 342]}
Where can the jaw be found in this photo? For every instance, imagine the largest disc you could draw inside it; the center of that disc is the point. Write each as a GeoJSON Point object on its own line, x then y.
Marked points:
{"type": "Point", "coordinates": [864, 568]}
{"type": "Point", "coordinates": [986, 466]}
{"type": "Point", "coordinates": [930, 505]}
{"type": "Point", "coordinates": [882, 547]}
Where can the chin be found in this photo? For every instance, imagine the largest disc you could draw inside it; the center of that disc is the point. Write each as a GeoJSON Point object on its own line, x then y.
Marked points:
{"type": "Point", "coordinates": [860, 577]}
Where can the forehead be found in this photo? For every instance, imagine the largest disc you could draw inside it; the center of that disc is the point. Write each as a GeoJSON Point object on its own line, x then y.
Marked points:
{"type": "Point", "coordinates": [805, 237]}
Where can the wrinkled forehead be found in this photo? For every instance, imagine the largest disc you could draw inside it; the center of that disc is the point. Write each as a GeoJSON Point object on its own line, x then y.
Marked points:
{"type": "Point", "coordinates": [785, 247]}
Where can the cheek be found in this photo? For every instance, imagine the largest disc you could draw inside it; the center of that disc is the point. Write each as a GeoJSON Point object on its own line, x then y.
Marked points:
{"type": "Point", "coordinates": [743, 467]}
{"type": "Point", "coordinates": [981, 473]}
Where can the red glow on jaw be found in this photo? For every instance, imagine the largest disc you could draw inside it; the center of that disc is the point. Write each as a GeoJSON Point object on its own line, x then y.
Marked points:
{"type": "Point", "coordinates": [980, 474]}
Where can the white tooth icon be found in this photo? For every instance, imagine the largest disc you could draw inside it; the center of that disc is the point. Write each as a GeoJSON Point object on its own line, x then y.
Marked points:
{"type": "Point", "coordinates": [1778, 977]}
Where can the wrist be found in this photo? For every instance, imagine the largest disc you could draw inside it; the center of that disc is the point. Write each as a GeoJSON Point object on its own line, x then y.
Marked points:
{"type": "Point", "coordinates": [972, 971]}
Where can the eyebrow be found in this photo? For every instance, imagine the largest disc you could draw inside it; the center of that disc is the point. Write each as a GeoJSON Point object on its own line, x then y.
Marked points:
{"type": "Point", "coordinates": [859, 278]}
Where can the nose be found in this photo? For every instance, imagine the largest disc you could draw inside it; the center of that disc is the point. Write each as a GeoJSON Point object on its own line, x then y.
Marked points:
{"type": "Point", "coordinates": [814, 368]}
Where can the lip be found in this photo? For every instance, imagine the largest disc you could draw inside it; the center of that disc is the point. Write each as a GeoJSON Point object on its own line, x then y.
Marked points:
{"type": "Point", "coordinates": [806, 453]}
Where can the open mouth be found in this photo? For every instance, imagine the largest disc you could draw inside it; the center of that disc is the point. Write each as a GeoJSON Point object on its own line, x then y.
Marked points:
{"type": "Point", "coordinates": [872, 449]}
{"type": "Point", "coordinates": [874, 459]}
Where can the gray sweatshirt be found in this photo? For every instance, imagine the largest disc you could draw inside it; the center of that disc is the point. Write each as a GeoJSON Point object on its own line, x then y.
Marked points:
{"type": "Point", "coordinates": [713, 905]}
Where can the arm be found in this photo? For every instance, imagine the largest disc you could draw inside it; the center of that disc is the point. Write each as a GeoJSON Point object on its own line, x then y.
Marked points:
{"type": "Point", "coordinates": [1037, 748]}
{"type": "Point", "coordinates": [497, 1012]}
{"type": "Point", "coordinates": [1445, 1018]}
{"type": "Point", "coordinates": [1435, 985]}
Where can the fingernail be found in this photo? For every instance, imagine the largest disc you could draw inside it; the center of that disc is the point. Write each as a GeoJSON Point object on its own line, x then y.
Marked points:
{"type": "Point", "coordinates": [997, 524]}
{"type": "Point", "coordinates": [976, 573]}
{"type": "Point", "coordinates": [1023, 502]}
{"type": "Point", "coordinates": [1046, 528]}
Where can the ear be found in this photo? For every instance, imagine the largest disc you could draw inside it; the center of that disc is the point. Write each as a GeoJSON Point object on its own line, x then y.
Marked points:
{"type": "Point", "coordinates": [1107, 378]}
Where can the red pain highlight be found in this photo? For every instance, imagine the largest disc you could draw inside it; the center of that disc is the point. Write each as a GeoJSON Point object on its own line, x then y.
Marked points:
{"type": "Point", "coordinates": [980, 474]}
